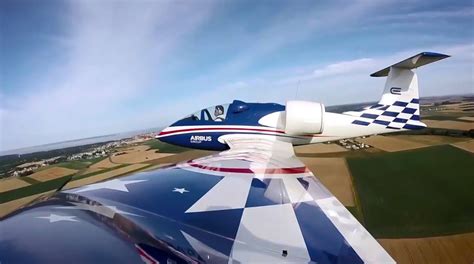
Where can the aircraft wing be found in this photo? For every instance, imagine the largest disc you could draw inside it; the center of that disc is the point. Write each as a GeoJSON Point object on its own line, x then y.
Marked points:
{"type": "Point", "coordinates": [253, 203]}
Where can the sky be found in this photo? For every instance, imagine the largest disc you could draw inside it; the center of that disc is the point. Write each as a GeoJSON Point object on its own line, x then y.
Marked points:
{"type": "Point", "coordinates": [77, 69]}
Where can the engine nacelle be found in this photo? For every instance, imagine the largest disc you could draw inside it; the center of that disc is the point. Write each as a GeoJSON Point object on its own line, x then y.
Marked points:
{"type": "Point", "coordinates": [303, 117]}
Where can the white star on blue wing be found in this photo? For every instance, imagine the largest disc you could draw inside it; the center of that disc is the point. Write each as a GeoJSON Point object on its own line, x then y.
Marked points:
{"type": "Point", "coordinates": [180, 190]}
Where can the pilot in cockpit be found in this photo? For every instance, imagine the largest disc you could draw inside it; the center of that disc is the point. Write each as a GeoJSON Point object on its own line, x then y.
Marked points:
{"type": "Point", "coordinates": [219, 113]}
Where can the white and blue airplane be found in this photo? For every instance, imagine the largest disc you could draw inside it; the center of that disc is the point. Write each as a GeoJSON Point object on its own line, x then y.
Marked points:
{"type": "Point", "coordinates": [304, 122]}
{"type": "Point", "coordinates": [254, 202]}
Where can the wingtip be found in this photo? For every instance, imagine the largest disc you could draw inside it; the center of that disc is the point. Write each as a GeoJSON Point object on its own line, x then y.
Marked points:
{"type": "Point", "coordinates": [418, 60]}
{"type": "Point", "coordinates": [434, 54]}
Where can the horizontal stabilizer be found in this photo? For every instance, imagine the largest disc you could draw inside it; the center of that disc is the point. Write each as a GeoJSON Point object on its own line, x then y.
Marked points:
{"type": "Point", "coordinates": [412, 62]}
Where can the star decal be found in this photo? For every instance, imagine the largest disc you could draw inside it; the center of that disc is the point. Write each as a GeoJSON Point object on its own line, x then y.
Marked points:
{"type": "Point", "coordinates": [116, 184]}
{"type": "Point", "coordinates": [180, 190]}
{"type": "Point", "coordinates": [58, 218]}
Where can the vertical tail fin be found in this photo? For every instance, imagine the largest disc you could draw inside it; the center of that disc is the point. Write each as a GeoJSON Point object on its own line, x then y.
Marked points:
{"type": "Point", "coordinates": [399, 106]}
{"type": "Point", "coordinates": [401, 85]}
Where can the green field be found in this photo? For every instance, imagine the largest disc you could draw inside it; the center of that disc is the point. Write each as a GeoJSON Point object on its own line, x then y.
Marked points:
{"type": "Point", "coordinates": [74, 164]}
{"type": "Point", "coordinates": [417, 193]}
{"type": "Point", "coordinates": [165, 147]}
{"type": "Point", "coordinates": [441, 115]}
{"type": "Point", "coordinates": [449, 117]}
{"type": "Point", "coordinates": [33, 189]}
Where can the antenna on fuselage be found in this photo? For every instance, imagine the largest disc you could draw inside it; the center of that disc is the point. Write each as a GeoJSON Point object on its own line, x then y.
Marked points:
{"type": "Point", "coordinates": [297, 88]}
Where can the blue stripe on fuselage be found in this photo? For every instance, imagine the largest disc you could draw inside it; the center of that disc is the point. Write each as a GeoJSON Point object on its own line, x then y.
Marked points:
{"type": "Point", "coordinates": [213, 144]}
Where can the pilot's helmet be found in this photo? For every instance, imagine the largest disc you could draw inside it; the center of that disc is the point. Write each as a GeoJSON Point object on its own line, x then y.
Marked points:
{"type": "Point", "coordinates": [219, 110]}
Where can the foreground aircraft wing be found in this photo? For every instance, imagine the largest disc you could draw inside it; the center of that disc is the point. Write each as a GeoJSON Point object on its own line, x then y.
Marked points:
{"type": "Point", "coordinates": [253, 203]}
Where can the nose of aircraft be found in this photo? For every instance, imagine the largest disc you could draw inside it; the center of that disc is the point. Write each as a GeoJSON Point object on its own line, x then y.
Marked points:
{"type": "Point", "coordinates": [162, 135]}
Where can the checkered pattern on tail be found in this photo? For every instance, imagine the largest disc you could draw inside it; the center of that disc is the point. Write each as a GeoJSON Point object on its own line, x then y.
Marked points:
{"type": "Point", "coordinates": [399, 115]}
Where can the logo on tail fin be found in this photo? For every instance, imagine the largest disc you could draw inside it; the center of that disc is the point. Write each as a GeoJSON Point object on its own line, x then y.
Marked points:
{"type": "Point", "coordinates": [396, 90]}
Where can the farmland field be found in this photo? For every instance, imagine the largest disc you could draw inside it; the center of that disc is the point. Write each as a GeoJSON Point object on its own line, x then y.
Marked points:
{"type": "Point", "coordinates": [416, 193]}
{"type": "Point", "coordinates": [165, 147]}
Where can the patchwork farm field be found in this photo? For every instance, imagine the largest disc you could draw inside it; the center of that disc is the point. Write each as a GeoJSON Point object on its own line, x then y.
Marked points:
{"type": "Point", "coordinates": [17, 191]}
{"type": "Point", "coordinates": [416, 193]}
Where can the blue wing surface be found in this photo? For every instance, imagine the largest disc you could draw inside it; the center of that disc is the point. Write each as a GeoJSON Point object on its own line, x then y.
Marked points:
{"type": "Point", "coordinates": [253, 203]}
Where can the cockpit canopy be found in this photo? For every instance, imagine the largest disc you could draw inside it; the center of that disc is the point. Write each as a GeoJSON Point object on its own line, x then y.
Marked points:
{"type": "Point", "coordinates": [216, 113]}
{"type": "Point", "coordinates": [237, 113]}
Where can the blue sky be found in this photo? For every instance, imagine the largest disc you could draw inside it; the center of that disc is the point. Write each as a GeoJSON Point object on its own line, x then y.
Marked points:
{"type": "Point", "coordinates": [75, 69]}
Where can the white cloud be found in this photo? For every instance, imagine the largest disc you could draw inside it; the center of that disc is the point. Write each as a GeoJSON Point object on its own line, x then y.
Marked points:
{"type": "Point", "coordinates": [338, 68]}
{"type": "Point", "coordinates": [291, 26]}
{"type": "Point", "coordinates": [343, 67]}
{"type": "Point", "coordinates": [465, 12]}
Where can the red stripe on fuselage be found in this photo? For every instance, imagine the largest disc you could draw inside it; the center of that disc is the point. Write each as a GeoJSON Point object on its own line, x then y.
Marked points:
{"type": "Point", "coordinates": [235, 129]}
{"type": "Point", "coordinates": [162, 133]}
{"type": "Point", "coordinates": [293, 170]}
